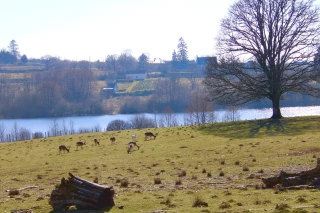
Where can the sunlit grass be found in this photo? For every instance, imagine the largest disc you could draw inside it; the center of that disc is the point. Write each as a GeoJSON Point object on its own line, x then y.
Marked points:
{"type": "Point", "coordinates": [221, 165]}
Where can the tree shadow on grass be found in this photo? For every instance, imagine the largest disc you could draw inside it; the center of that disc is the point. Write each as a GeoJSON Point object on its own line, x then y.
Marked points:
{"type": "Point", "coordinates": [82, 211]}
{"type": "Point", "coordinates": [254, 128]}
{"type": "Point", "coordinates": [271, 126]}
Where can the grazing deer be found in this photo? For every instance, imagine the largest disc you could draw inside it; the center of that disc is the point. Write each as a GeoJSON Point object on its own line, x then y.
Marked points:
{"type": "Point", "coordinates": [64, 148]}
{"type": "Point", "coordinates": [96, 142]}
{"type": "Point", "coordinates": [80, 144]}
{"type": "Point", "coordinates": [134, 136]}
{"type": "Point", "coordinates": [149, 134]}
{"type": "Point", "coordinates": [130, 148]}
{"type": "Point", "coordinates": [113, 139]}
{"type": "Point", "coordinates": [134, 144]}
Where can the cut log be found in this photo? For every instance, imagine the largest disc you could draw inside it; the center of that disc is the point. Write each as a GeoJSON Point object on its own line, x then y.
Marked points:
{"type": "Point", "coordinates": [81, 193]}
{"type": "Point", "coordinates": [284, 179]}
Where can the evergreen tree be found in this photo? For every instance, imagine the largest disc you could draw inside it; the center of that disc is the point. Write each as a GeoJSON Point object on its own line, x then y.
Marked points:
{"type": "Point", "coordinates": [14, 49]}
{"type": "Point", "coordinates": [174, 58]}
{"type": "Point", "coordinates": [182, 51]}
{"type": "Point", "coordinates": [24, 59]}
{"type": "Point", "coordinates": [6, 57]}
{"type": "Point", "coordinates": [143, 62]}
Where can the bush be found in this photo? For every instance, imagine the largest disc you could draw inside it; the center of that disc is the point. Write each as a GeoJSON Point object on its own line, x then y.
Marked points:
{"type": "Point", "coordinates": [178, 182]}
{"type": "Point", "coordinates": [183, 173]}
{"type": "Point", "coordinates": [157, 181]}
{"type": "Point", "coordinates": [124, 183]}
{"type": "Point", "coordinates": [198, 202]}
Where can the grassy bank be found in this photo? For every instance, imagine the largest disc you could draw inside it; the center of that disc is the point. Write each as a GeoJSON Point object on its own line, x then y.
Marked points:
{"type": "Point", "coordinates": [220, 164]}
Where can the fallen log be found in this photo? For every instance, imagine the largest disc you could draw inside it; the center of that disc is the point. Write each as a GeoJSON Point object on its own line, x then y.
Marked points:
{"type": "Point", "coordinates": [81, 193]}
{"type": "Point", "coordinates": [284, 179]}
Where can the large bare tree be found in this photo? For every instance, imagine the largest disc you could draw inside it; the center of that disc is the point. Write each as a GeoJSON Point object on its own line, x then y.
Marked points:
{"type": "Point", "coordinates": [280, 37]}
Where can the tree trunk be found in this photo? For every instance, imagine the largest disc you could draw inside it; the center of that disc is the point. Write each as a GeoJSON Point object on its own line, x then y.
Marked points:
{"type": "Point", "coordinates": [276, 113]}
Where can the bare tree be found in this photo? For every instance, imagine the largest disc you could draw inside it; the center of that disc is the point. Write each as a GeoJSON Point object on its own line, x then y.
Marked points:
{"type": "Point", "coordinates": [54, 128]}
{"type": "Point", "coordinates": [168, 118]}
{"type": "Point", "coordinates": [15, 132]}
{"type": "Point", "coordinates": [71, 126]}
{"type": "Point", "coordinates": [200, 110]}
{"type": "Point", "coordinates": [117, 125]}
{"type": "Point", "coordinates": [64, 128]}
{"type": "Point", "coordinates": [281, 37]}
{"type": "Point", "coordinates": [2, 133]}
{"type": "Point", "coordinates": [111, 62]}
{"type": "Point", "coordinates": [126, 62]}
{"type": "Point", "coordinates": [231, 114]}
{"type": "Point", "coordinates": [140, 121]}
{"type": "Point", "coordinates": [24, 134]}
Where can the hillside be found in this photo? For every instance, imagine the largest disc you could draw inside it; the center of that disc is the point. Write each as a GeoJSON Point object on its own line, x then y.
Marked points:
{"type": "Point", "coordinates": [220, 164]}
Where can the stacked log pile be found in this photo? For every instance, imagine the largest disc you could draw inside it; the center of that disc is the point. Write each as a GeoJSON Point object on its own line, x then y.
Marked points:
{"type": "Point", "coordinates": [309, 179]}
{"type": "Point", "coordinates": [81, 193]}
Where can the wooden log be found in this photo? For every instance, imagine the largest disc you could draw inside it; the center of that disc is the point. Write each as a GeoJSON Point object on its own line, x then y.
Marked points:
{"type": "Point", "coordinates": [82, 193]}
{"type": "Point", "coordinates": [310, 177]}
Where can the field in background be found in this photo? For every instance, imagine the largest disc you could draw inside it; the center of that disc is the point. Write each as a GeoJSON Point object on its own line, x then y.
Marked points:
{"type": "Point", "coordinates": [220, 164]}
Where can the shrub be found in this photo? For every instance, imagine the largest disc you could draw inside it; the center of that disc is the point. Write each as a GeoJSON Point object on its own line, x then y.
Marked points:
{"type": "Point", "coordinates": [302, 200]}
{"type": "Point", "coordinates": [157, 181]}
{"type": "Point", "coordinates": [183, 173]}
{"type": "Point", "coordinates": [198, 202]}
{"type": "Point", "coordinates": [245, 169]}
{"type": "Point", "coordinates": [224, 205]}
{"type": "Point", "coordinates": [124, 183]}
{"type": "Point", "coordinates": [14, 192]}
{"type": "Point", "coordinates": [282, 207]}
{"type": "Point", "coordinates": [178, 182]}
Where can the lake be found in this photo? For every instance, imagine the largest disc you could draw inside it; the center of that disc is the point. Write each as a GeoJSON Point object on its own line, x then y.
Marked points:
{"type": "Point", "coordinates": [101, 121]}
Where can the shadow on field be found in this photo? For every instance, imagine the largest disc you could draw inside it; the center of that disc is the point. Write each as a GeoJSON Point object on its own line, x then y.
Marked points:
{"type": "Point", "coordinates": [260, 128]}
{"type": "Point", "coordinates": [270, 125]}
{"type": "Point", "coordinates": [81, 211]}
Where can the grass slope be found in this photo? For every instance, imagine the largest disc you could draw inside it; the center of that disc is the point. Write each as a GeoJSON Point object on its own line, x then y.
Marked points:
{"type": "Point", "coordinates": [220, 164]}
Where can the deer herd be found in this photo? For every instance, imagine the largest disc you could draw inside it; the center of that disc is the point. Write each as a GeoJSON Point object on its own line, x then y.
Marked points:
{"type": "Point", "coordinates": [130, 145]}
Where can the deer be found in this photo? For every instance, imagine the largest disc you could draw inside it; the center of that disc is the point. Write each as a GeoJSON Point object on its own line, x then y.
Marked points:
{"type": "Point", "coordinates": [134, 144]}
{"type": "Point", "coordinates": [96, 142]}
{"type": "Point", "coordinates": [64, 148]}
{"type": "Point", "coordinates": [130, 148]}
{"type": "Point", "coordinates": [113, 139]}
{"type": "Point", "coordinates": [134, 136]}
{"type": "Point", "coordinates": [80, 144]}
{"type": "Point", "coordinates": [149, 134]}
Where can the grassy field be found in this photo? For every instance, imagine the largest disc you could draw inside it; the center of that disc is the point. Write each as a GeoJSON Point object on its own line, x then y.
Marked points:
{"type": "Point", "coordinates": [220, 164]}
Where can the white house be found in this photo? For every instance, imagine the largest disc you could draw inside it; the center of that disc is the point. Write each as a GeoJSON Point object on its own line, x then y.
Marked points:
{"type": "Point", "coordinates": [136, 76]}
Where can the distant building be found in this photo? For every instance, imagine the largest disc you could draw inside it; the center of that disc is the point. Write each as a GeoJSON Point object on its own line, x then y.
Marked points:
{"type": "Point", "coordinates": [136, 76]}
{"type": "Point", "coordinates": [107, 92]}
{"type": "Point", "coordinates": [204, 60]}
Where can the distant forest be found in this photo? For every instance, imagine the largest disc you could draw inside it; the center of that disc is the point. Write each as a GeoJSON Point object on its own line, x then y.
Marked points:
{"type": "Point", "coordinates": [51, 87]}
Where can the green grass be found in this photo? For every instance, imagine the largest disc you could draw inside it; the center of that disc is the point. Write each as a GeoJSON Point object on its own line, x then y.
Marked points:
{"type": "Point", "coordinates": [146, 85]}
{"type": "Point", "coordinates": [194, 156]}
{"type": "Point", "coordinates": [122, 87]}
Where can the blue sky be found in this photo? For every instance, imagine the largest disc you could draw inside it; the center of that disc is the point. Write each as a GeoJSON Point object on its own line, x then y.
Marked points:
{"type": "Point", "coordinates": [93, 29]}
